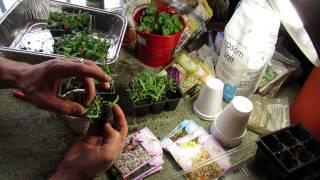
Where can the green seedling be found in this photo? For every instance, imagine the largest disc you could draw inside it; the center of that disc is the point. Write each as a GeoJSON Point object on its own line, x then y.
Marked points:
{"type": "Point", "coordinates": [71, 22]}
{"type": "Point", "coordinates": [149, 86]}
{"type": "Point", "coordinates": [155, 22]}
{"type": "Point", "coordinates": [95, 111]}
{"type": "Point", "coordinates": [83, 46]}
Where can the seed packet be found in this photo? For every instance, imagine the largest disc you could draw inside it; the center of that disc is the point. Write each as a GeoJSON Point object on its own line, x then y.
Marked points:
{"type": "Point", "coordinates": [156, 169]}
{"type": "Point", "coordinates": [192, 146]}
{"type": "Point", "coordinates": [142, 154]}
{"type": "Point", "coordinates": [280, 68]}
{"type": "Point", "coordinates": [151, 167]}
{"type": "Point", "coordinates": [189, 73]}
{"type": "Point", "coordinates": [195, 21]}
{"type": "Point", "coordinates": [184, 128]}
{"type": "Point", "coordinates": [269, 114]}
{"type": "Point", "coordinates": [274, 72]}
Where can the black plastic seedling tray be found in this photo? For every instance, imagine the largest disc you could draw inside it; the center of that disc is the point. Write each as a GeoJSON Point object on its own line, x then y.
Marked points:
{"type": "Point", "coordinates": [169, 104]}
{"type": "Point", "coordinates": [289, 153]}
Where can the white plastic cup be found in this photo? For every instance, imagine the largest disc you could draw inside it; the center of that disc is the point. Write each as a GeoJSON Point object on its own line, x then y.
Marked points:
{"type": "Point", "coordinates": [224, 140]}
{"type": "Point", "coordinates": [209, 102]}
{"type": "Point", "coordinates": [232, 121]}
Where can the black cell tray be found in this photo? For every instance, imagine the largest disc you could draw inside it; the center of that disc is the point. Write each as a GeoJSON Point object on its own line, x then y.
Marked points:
{"type": "Point", "coordinates": [169, 104]}
{"type": "Point", "coordinates": [289, 153]}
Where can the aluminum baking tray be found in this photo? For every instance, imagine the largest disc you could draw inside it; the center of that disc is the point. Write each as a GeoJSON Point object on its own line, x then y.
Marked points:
{"type": "Point", "coordinates": [25, 21]}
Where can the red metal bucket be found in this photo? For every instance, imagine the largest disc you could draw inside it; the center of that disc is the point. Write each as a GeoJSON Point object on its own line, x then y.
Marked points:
{"type": "Point", "coordinates": [154, 57]}
{"type": "Point", "coordinates": [153, 49]}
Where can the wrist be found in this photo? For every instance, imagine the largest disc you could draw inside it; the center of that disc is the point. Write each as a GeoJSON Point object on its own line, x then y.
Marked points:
{"type": "Point", "coordinates": [19, 75]}
{"type": "Point", "coordinates": [11, 74]}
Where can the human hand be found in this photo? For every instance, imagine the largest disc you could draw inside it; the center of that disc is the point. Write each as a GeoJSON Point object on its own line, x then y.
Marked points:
{"type": "Point", "coordinates": [39, 83]}
{"type": "Point", "coordinates": [95, 154]}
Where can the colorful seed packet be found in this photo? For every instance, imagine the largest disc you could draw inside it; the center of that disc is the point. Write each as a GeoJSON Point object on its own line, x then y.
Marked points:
{"type": "Point", "coordinates": [142, 155]}
{"type": "Point", "coordinates": [193, 147]}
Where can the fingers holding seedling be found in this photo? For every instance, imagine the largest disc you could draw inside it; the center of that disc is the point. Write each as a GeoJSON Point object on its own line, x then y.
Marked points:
{"type": "Point", "coordinates": [90, 89]}
{"type": "Point", "coordinates": [64, 69]}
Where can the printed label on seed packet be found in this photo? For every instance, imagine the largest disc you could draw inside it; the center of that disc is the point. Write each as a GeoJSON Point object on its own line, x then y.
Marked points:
{"type": "Point", "coordinates": [196, 148]}
{"type": "Point", "coordinates": [142, 155]}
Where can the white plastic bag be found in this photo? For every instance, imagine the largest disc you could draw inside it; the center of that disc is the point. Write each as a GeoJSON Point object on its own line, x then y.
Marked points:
{"type": "Point", "coordinates": [248, 45]}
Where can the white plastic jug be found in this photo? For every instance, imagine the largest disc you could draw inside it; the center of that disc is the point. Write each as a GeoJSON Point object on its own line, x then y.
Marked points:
{"type": "Point", "coordinates": [249, 43]}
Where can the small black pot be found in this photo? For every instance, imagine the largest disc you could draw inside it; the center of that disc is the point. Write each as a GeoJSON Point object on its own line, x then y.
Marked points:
{"type": "Point", "coordinates": [97, 128]}
{"type": "Point", "coordinates": [109, 94]}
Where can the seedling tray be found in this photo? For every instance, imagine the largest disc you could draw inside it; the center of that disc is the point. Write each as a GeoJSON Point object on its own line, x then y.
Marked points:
{"type": "Point", "coordinates": [169, 104]}
{"type": "Point", "coordinates": [290, 153]}
{"type": "Point", "coordinates": [29, 18]}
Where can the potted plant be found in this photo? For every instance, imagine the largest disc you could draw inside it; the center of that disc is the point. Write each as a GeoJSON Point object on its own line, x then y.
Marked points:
{"type": "Point", "coordinates": [60, 23]}
{"type": "Point", "coordinates": [158, 29]}
{"type": "Point", "coordinates": [149, 93]}
{"type": "Point", "coordinates": [95, 3]}
{"type": "Point", "coordinates": [95, 115]}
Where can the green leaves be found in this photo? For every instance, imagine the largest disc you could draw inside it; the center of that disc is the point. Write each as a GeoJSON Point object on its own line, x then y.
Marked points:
{"type": "Point", "coordinates": [95, 111]}
{"type": "Point", "coordinates": [159, 23]}
{"type": "Point", "coordinates": [72, 22]}
{"type": "Point", "coordinates": [149, 86]}
{"type": "Point", "coordinates": [151, 10]}
{"type": "Point", "coordinates": [82, 45]}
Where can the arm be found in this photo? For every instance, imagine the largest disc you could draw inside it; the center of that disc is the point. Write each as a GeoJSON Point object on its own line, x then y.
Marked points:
{"type": "Point", "coordinates": [39, 83]}
{"type": "Point", "coordinates": [94, 154]}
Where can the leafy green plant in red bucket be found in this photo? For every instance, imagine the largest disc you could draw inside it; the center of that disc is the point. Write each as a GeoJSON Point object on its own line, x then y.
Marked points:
{"type": "Point", "coordinates": [158, 29]}
{"type": "Point", "coordinates": [162, 23]}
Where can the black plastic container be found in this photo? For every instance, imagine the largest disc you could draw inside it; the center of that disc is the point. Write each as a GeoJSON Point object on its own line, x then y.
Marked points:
{"type": "Point", "coordinates": [141, 110]}
{"type": "Point", "coordinates": [157, 107]}
{"type": "Point", "coordinates": [289, 153]}
{"type": "Point", "coordinates": [109, 94]}
{"type": "Point", "coordinates": [169, 104]}
{"type": "Point", "coordinates": [172, 101]}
